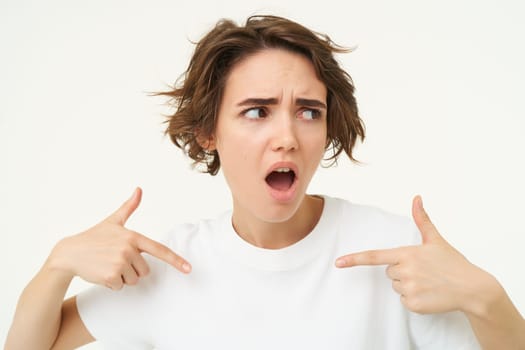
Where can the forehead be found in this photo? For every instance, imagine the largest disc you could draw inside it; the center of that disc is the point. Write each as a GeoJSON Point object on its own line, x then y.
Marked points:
{"type": "Point", "coordinates": [272, 73]}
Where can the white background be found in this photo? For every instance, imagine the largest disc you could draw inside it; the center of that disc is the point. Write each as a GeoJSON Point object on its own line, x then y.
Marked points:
{"type": "Point", "coordinates": [439, 85]}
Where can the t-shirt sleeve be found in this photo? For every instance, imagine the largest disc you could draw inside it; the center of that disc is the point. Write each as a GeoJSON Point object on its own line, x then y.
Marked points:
{"type": "Point", "coordinates": [119, 319]}
{"type": "Point", "coordinates": [449, 330]}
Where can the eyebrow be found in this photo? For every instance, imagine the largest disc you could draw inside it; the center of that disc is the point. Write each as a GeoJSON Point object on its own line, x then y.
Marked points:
{"type": "Point", "coordinates": [273, 101]}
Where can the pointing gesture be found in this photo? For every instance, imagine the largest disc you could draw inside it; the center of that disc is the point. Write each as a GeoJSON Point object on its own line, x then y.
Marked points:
{"type": "Point", "coordinates": [432, 277]}
{"type": "Point", "coordinates": [109, 254]}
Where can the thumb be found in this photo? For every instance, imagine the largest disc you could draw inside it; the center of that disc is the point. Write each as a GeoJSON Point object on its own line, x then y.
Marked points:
{"type": "Point", "coordinates": [428, 231]}
{"type": "Point", "coordinates": [127, 208]}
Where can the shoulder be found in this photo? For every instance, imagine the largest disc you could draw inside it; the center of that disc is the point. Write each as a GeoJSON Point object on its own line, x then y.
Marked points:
{"type": "Point", "coordinates": [366, 214]}
{"type": "Point", "coordinates": [197, 241]}
{"type": "Point", "coordinates": [195, 233]}
{"type": "Point", "coordinates": [371, 227]}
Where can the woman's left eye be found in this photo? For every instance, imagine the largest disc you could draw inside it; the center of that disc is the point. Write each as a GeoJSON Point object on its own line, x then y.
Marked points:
{"type": "Point", "coordinates": [310, 114]}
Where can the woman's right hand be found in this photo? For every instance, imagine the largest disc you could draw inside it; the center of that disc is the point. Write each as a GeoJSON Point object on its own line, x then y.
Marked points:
{"type": "Point", "coordinates": [109, 254]}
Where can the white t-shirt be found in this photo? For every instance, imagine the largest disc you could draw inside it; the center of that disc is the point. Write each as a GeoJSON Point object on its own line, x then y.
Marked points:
{"type": "Point", "coordinates": [239, 296]}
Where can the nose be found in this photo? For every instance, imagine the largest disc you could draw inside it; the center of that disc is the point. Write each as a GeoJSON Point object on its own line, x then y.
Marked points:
{"type": "Point", "coordinates": [284, 136]}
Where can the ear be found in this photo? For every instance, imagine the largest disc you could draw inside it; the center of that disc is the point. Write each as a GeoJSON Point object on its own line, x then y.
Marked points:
{"type": "Point", "coordinates": [206, 142]}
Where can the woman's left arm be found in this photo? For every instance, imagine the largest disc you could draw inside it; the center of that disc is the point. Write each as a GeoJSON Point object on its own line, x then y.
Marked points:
{"type": "Point", "coordinates": [493, 317]}
{"type": "Point", "coordinates": [434, 277]}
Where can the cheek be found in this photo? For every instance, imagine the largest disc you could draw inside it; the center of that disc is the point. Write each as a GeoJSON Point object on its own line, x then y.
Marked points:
{"type": "Point", "coordinates": [245, 155]}
{"type": "Point", "coordinates": [238, 168]}
{"type": "Point", "coordinates": [237, 155]}
{"type": "Point", "coordinates": [317, 148]}
{"type": "Point", "coordinates": [316, 141]}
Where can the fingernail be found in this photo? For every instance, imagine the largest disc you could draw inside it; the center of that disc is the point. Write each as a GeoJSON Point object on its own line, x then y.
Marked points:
{"type": "Point", "coordinates": [186, 267]}
{"type": "Point", "coordinates": [340, 262]}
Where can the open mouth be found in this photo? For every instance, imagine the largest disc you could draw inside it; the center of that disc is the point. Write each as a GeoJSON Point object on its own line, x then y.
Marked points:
{"type": "Point", "coordinates": [281, 179]}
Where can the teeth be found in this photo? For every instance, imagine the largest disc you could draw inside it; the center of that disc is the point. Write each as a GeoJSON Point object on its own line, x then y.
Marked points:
{"type": "Point", "coordinates": [282, 170]}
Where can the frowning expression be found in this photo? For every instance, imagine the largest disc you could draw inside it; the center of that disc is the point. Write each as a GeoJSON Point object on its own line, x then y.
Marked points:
{"type": "Point", "coordinates": [271, 133]}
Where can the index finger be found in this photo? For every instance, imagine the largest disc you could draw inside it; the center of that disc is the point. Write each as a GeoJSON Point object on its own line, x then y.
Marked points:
{"type": "Point", "coordinates": [370, 257]}
{"type": "Point", "coordinates": [163, 253]}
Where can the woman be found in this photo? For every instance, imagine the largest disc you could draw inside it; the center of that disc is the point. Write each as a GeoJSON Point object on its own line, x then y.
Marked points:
{"type": "Point", "coordinates": [265, 101]}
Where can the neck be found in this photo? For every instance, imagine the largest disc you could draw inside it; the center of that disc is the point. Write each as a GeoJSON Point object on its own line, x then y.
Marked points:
{"type": "Point", "coordinates": [276, 235]}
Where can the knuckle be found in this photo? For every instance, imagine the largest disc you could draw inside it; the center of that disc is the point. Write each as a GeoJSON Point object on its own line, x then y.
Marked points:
{"type": "Point", "coordinates": [407, 257]}
{"type": "Point", "coordinates": [167, 252]}
{"type": "Point", "coordinates": [176, 262]}
{"type": "Point", "coordinates": [120, 264]}
{"type": "Point", "coordinates": [117, 286]}
{"type": "Point", "coordinates": [419, 254]}
{"type": "Point", "coordinates": [130, 238]}
{"type": "Point", "coordinates": [132, 281]}
{"type": "Point", "coordinates": [174, 259]}
{"type": "Point", "coordinates": [395, 285]}
{"type": "Point", "coordinates": [126, 254]}
{"type": "Point", "coordinates": [372, 257]}
{"type": "Point", "coordinates": [407, 272]}
{"type": "Point", "coordinates": [112, 278]}
{"type": "Point", "coordinates": [410, 288]}
{"type": "Point", "coordinates": [145, 271]}
{"type": "Point", "coordinates": [414, 304]}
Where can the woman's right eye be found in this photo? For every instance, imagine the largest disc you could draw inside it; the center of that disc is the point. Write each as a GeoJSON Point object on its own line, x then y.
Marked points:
{"type": "Point", "coordinates": [255, 113]}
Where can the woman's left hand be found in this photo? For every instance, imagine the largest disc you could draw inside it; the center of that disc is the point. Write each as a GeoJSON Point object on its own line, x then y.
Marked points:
{"type": "Point", "coordinates": [432, 277]}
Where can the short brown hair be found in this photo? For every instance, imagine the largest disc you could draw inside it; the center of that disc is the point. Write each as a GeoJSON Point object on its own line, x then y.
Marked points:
{"type": "Point", "coordinates": [198, 92]}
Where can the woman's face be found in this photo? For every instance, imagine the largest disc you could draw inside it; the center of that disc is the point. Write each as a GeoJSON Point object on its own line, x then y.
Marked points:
{"type": "Point", "coordinates": [271, 133]}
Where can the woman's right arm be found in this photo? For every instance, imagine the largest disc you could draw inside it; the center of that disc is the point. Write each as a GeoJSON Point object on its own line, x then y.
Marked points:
{"type": "Point", "coordinates": [107, 254]}
{"type": "Point", "coordinates": [43, 320]}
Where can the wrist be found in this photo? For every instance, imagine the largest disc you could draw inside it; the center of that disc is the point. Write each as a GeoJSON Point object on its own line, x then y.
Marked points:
{"type": "Point", "coordinates": [57, 262]}
{"type": "Point", "coordinates": [486, 295]}
{"type": "Point", "coordinates": [493, 317]}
